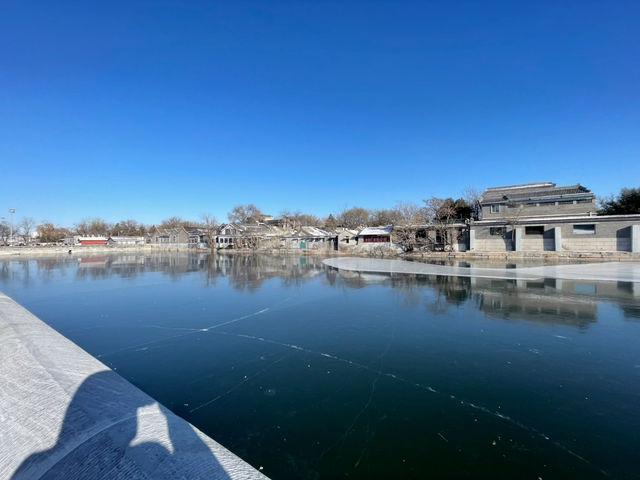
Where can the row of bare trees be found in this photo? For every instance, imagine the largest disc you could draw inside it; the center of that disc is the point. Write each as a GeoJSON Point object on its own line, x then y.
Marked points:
{"type": "Point", "coordinates": [21, 230]}
{"type": "Point", "coordinates": [51, 233]}
{"type": "Point", "coordinates": [432, 210]}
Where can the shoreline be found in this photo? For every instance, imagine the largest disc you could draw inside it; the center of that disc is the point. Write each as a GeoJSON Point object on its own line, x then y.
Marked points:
{"type": "Point", "coordinates": [577, 257]}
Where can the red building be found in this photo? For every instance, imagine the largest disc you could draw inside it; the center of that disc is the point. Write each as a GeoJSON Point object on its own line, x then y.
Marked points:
{"type": "Point", "coordinates": [92, 240]}
{"type": "Point", "coordinates": [375, 235]}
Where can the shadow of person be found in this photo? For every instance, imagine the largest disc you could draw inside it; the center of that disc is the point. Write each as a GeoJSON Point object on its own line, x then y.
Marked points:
{"type": "Point", "coordinates": [112, 430]}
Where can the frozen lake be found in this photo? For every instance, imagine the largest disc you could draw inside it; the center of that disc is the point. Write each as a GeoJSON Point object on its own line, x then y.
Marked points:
{"type": "Point", "coordinates": [313, 372]}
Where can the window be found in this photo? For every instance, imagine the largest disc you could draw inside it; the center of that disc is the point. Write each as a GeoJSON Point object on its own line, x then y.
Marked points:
{"type": "Point", "coordinates": [495, 208]}
{"type": "Point", "coordinates": [375, 239]}
{"type": "Point", "coordinates": [534, 230]}
{"type": "Point", "coordinates": [586, 229]}
{"type": "Point", "coordinates": [497, 231]}
{"type": "Point", "coordinates": [585, 200]}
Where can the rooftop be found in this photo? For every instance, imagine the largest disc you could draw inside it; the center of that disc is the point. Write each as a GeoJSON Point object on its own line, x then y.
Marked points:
{"type": "Point", "coordinates": [533, 191]}
{"type": "Point", "coordinates": [376, 231]}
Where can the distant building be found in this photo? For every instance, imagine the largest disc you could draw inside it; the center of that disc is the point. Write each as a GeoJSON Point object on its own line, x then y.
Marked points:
{"type": "Point", "coordinates": [308, 238]}
{"type": "Point", "coordinates": [540, 217]}
{"type": "Point", "coordinates": [85, 241]}
{"type": "Point", "coordinates": [346, 239]}
{"type": "Point", "coordinates": [228, 235]}
{"type": "Point", "coordinates": [125, 241]}
{"type": "Point", "coordinates": [178, 236]}
{"type": "Point", "coordinates": [253, 236]}
{"type": "Point", "coordinates": [537, 199]}
{"type": "Point", "coordinates": [375, 235]}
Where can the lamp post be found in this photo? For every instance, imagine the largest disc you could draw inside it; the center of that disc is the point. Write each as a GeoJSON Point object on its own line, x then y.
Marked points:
{"type": "Point", "coordinates": [11, 211]}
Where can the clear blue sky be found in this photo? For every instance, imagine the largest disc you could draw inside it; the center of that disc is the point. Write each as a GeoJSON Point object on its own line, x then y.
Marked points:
{"type": "Point", "coordinates": [145, 110]}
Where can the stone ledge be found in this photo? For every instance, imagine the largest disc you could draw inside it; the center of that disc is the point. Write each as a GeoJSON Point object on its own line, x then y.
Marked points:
{"type": "Point", "coordinates": [65, 415]}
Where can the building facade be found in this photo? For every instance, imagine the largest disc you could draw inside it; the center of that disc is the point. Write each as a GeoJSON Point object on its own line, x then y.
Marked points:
{"type": "Point", "coordinates": [536, 199]}
{"type": "Point", "coordinates": [178, 236]}
{"type": "Point", "coordinates": [541, 217]}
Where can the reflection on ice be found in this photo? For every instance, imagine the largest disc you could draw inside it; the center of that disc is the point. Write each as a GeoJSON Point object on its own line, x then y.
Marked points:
{"type": "Point", "coordinates": [513, 297]}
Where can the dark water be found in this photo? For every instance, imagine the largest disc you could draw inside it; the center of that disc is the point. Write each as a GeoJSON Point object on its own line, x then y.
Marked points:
{"type": "Point", "coordinates": [313, 373]}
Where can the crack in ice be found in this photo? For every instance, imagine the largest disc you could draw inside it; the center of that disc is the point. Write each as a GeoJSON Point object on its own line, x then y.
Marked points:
{"type": "Point", "coordinates": [238, 385]}
{"type": "Point", "coordinates": [189, 331]}
{"type": "Point", "coordinates": [427, 388]}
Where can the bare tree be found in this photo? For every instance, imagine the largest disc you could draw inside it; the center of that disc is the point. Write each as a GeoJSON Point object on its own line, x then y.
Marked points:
{"type": "Point", "coordinates": [440, 209]}
{"type": "Point", "coordinates": [173, 222]}
{"type": "Point", "coordinates": [301, 219]}
{"type": "Point", "coordinates": [443, 212]}
{"type": "Point", "coordinates": [244, 214]}
{"type": "Point", "coordinates": [411, 237]}
{"type": "Point", "coordinates": [385, 217]}
{"type": "Point", "coordinates": [5, 231]}
{"type": "Point", "coordinates": [405, 237]}
{"type": "Point", "coordinates": [49, 233]}
{"type": "Point", "coordinates": [307, 219]}
{"type": "Point", "coordinates": [210, 227]}
{"type": "Point", "coordinates": [129, 228]}
{"type": "Point", "coordinates": [472, 196]}
{"type": "Point", "coordinates": [26, 226]}
{"type": "Point", "coordinates": [379, 251]}
{"type": "Point", "coordinates": [354, 217]}
{"type": "Point", "coordinates": [92, 227]}
{"type": "Point", "coordinates": [81, 227]}
{"type": "Point", "coordinates": [410, 213]}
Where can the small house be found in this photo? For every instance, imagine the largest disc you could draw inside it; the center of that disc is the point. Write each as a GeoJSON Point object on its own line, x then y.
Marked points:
{"type": "Point", "coordinates": [125, 241]}
{"type": "Point", "coordinates": [375, 235]}
{"type": "Point", "coordinates": [87, 241]}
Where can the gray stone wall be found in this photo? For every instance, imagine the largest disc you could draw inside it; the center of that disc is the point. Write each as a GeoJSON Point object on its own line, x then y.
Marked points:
{"type": "Point", "coordinates": [485, 242]}
{"type": "Point", "coordinates": [609, 236]}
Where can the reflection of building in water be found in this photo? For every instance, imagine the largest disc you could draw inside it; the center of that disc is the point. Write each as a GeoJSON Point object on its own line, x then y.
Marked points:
{"type": "Point", "coordinates": [92, 262]}
{"type": "Point", "coordinates": [127, 260]}
{"type": "Point", "coordinates": [549, 301]}
{"type": "Point", "coordinates": [539, 301]}
{"type": "Point", "coordinates": [567, 302]}
{"type": "Point", "coordinates": [353, 279]}
{"type": "Point", "coordinates": [250, 271]}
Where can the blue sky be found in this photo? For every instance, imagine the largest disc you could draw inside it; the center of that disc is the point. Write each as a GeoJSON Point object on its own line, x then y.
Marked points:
{"type": "Point", "coordinates": [145, 110]}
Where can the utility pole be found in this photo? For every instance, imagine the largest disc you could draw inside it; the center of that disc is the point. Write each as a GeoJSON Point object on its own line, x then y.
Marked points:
{"type": "Point", "coordinates": [11, 211]}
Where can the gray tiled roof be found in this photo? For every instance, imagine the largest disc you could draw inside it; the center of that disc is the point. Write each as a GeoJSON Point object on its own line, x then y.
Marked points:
{"type": "Point", "coordinates": [533, 191]}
